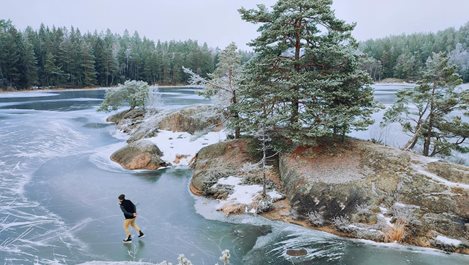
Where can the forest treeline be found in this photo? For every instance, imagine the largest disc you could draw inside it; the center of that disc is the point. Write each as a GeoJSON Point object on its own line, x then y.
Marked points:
{"type": "Point", "coordinates": [64, 57]}
{"type": "Point", "coordinates": [405, 56]}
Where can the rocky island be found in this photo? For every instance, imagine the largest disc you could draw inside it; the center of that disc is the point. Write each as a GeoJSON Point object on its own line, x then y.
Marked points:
{"type": "Point", "coordinates": [358, 189]}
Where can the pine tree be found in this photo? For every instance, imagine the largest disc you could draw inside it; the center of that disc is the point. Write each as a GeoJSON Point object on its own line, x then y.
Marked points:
{"type": "Point", "coordinates": [305, 77]}
{"type": "Point", "coordinates": [10, 41]}
{"type": "Point", "coordinates": [222, 84]}
{"type": "Point", "coordinates": [51, 71]}
{"type": "Point", "coordinates": [28, 67]}
{"type": "Point", "coordinates": [87, 66]}
{"type": "Point", "coordinates": [61, 57]}
{"type": "Point", "coordinates": [432, 111]}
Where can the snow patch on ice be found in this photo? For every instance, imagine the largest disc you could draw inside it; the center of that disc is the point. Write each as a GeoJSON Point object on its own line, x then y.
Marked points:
{"type": "Point", "coordinates": [448, 241]}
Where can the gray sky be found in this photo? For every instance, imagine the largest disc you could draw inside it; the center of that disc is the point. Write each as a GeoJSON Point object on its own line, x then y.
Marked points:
{"type": "Point", "coordinates": [217, 22]}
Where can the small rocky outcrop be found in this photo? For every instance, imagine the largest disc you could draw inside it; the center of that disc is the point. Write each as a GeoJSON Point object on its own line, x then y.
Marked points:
{"type": "Point", "coordinates": [357, 189]}
{"type": "Point", "coordinates": [127, 120]}
{"type": "Point", "coordinates": [193, 119]}
{"type": "Point", "coordinates": [190, 119]}
{"type": "Point", "coordinates": [379, 193]}
{"type": "Point", "coordinates": [217, 161]}
{"type": "Point", "coordinates": [229, 172]}
{"type": "Point", "coordinates": [139, 155]}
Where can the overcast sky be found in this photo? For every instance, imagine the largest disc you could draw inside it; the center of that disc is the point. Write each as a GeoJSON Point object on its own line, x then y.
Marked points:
{"type": "Point", "coordinates": [217, 22]}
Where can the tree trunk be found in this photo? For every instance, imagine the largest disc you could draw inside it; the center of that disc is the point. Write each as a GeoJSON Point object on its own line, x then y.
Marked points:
{"type": "Point", "coordinates": [234, 100]}
{"type": "Point", "coordinates": [428, 136]}
{"type": "Point", "coordinates": [413, 141]}
{"type": "Point", "coordinates": [264, 179]}
{"type": "Point", "coordinates": [295, 101]}
{"type": "Point", "coordinates": [236, 117]}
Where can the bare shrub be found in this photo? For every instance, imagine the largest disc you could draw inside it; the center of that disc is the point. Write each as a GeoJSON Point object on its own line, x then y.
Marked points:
{"type": "Point", "coordinates": [363, 209]}
{"type": "Point", "coordinates": [407, 215]}
{"type": "Point", "coordinates": [316, 218]}
{"type": "Point", "coordinates": [341, 223]}
{"type": "Point", "coordinates": [262, 204]}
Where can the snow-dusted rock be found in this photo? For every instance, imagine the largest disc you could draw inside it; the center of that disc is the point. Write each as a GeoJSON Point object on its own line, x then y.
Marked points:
{"type": "Point", "coordinates": [142, 154]}
{"type": "Point", "coordinates": [220, 172]}
{"type": "Point", "coordinates": [357, 180]}
{"type": "Point", "coordinates": [203, 118]}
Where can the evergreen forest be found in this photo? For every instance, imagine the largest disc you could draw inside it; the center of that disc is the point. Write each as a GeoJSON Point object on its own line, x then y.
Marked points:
{"type": "Point", "coordinates": [65, 57]}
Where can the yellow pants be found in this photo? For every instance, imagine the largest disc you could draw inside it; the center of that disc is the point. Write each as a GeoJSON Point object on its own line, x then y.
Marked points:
{"type": "Point", "coordinates": [132, 223]}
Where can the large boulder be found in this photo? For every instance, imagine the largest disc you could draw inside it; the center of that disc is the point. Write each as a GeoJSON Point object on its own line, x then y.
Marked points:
{"type": "Point", "coordinates": [359, 188]}
{"type": "Point", "coordinates": [220, 160]}
{"type": "Point", "coordinates": [361, 184]}
{"type": "Point", "coordinates": [193, 119]}
{"type": "Point", "coordinates": [139, 155]}
{"type": "Point", "coordinates": [190, 119]}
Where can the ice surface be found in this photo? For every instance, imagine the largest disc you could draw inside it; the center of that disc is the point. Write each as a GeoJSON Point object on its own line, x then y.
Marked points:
{"type": "Point", "coordinates": [27, 94]}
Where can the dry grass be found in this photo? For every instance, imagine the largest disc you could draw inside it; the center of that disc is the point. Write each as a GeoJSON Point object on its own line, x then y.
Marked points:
{"type": "Point", "coordinates": [228, 209]}
{"type": "Point", "coordinates": [179, 158]}
{"type": "Point", "coordinates": [396, 233]}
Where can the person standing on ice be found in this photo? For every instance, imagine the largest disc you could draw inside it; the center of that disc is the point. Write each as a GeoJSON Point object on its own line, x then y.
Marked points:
{"type": "Point", "coordinates": [130, 214]}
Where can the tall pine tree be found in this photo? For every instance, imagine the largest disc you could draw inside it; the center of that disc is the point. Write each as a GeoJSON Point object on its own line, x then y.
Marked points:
{"type": "Point", "coordinates": [87, 65]}
{"type": "Point", "coordinates": [305, 76]}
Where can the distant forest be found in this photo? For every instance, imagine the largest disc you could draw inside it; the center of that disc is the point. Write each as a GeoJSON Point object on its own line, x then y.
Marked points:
{"type": "Point", "coordinates": [404, 56]}
{"type": "Point", "coordinates": [64, 57]}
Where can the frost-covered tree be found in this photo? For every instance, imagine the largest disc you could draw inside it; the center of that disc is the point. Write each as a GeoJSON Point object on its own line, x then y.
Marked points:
{"type": "Point", "coordinates": [222, 84]}
{"type": "Point", "coordinates": [305, 74]}
{"type": "Point", "coordinates": [433, 111]}
{"type": "Point", "coordinates": [460, 57]}
{"type": "Point", "coordinates": [133, 93]}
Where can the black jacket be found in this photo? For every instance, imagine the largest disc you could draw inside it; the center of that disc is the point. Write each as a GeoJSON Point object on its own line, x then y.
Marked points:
{"type": "Point", "coordinates": [128, 208]}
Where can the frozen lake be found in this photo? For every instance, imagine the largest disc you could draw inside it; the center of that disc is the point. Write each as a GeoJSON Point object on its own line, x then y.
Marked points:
{"type": "Point", "coordinates": [58, 198]}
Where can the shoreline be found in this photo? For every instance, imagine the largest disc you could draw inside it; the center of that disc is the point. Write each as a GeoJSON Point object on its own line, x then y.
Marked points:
{"type": "Point", "coordinates": [281, 213]}
{"type": "Point", "coordinates": [2, 90]}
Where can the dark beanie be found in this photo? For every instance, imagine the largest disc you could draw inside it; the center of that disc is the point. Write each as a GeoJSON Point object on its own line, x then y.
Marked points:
{"type": "Point", "coordinates": [122, 197]}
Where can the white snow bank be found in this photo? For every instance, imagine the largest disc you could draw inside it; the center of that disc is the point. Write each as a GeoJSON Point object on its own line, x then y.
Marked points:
{"type": "Point", "coordinates": [180, 147]}
{"type": "Point", "coordinates": [447, 241]}
{"type": "Point", "coordinates": [243, 194]}
{"type": "Point", "coordinates": [231, 180]}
